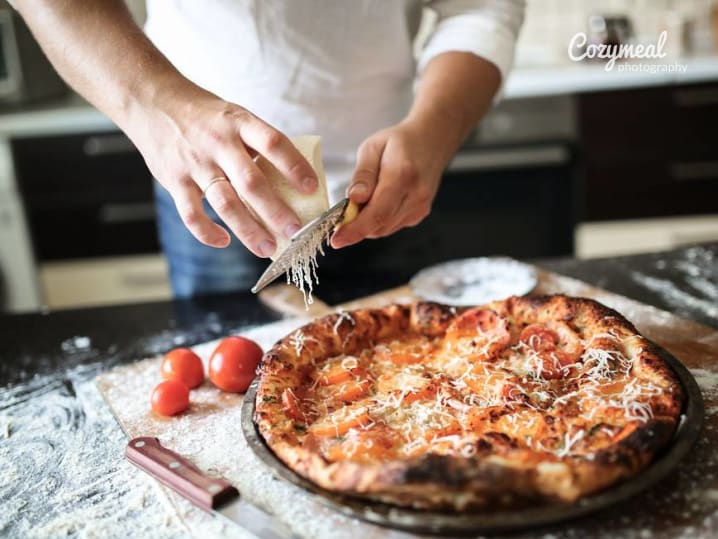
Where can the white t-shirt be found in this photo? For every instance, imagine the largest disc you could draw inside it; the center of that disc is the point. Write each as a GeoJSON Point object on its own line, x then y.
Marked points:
{"type": "Point", "coordinates": [341, 69]}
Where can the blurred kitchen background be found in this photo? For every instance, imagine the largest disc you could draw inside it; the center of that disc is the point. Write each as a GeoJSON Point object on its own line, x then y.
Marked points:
{"type": "Point", "coordinates": [575, 160]}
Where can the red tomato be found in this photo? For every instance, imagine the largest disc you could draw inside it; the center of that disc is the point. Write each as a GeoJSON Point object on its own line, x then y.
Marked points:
{"type": "Point", "coordinates": [232, 365]}
{"type": "Point", "coordinates": [184, 365]}
{"type": "Point", "coordinates": [170, 397]}
{"type": "Point", "coordinates": [539, 338]}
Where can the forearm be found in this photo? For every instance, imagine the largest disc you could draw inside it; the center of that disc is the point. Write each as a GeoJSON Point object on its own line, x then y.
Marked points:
{"type": "Point", "coordinates": [100, 51]}
{"type": "Point", "coordinates": [456, 89]}
{"type": "Point", "coordinates": [187, 135]}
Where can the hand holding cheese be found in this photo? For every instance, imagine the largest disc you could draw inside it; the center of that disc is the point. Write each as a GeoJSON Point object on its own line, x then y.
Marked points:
{"type": "Point", "coordinates": [307, 206]}
{"type": "Point", "coordinates": [216, 139]}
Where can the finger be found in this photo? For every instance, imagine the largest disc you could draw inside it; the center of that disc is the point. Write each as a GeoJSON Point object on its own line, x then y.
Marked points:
{"type": "Point", "coordinates": [188, 201]}
{"type": "Point", "coordinates": [366, 174]}
{"type": "Point", "coordinates": [254, 188]}
{"type": "Point", "coordinates": [381, 212]}
{"type": "Point", "coordinates": [402, 211]}
{"type": "Point", "coordinates": [279, 150]}
{"type": "Point", "coordinates": [413, 211]}
{"type": "Point", "coordinates": [225, 201]}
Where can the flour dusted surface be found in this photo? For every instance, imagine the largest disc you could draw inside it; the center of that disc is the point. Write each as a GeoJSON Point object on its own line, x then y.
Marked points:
{"type": "Point", "coordinates": [204, 433]}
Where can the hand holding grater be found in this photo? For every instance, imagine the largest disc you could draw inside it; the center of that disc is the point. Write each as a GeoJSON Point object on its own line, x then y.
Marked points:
{"type": "Point", "coordinates": [298, 259]}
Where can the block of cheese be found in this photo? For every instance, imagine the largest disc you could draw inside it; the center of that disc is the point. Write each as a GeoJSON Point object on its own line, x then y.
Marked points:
{"type": "Point", "coordinates": [307, 207]}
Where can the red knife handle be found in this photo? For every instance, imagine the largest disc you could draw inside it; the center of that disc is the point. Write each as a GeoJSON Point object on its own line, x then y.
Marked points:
{"type": "Point", "coordinates": [179, 473]}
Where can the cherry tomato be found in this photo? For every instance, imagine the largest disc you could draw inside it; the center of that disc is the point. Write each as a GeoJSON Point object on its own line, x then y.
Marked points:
{"type": "Point", "coordinates": [232, 365]}
{"type": "Point", "coordinates": [539, 338]}
{"type": "Point", "coordinates": [184, 365]}
{"type": "Point", "coordinates": [170, 397]}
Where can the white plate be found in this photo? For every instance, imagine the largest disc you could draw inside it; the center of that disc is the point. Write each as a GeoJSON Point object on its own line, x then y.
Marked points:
{"type": "Point", "coordinates": [473, 281]}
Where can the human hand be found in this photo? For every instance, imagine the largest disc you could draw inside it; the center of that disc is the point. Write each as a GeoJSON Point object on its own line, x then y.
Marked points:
{"type": "Point", "coordinates": [193, 138]}
{"type": "Point", "coordinates": [397, 176]}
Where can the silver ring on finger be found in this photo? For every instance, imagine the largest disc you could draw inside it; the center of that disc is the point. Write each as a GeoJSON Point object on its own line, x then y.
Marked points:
{"type": "Point", "coordinates": [211, 182]}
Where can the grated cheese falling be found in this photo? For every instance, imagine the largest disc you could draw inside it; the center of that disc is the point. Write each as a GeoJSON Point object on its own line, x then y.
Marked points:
{"type": "Point", "coordinates": [303, 271]}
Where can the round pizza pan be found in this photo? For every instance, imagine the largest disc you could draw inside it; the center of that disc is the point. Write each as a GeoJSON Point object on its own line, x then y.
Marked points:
{"type": "Point", "coordinates": [470, 523]}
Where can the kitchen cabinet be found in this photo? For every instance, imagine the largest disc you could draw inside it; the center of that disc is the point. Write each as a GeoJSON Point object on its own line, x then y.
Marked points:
{"type": "Point", "coordinates": [650, 152]}
{"type": "Point", "coordinates": [104, 281]}
{"type": "Point", "coordinates": [88, 199]}
{"type": "Point", "coordinates": [85, 195]}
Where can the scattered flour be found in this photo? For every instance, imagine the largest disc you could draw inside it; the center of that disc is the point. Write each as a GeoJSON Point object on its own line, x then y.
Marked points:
{"type": "Point", "coordinates": [707, 381]}
{"type": "Point", "coordinates": [674, 295]}
{"type": "Point", "coordinates": [76, 344]}
{"type": "Point", "coordinates": [62, 469]}
{"type": "Point", "coordinates": [689, 283]}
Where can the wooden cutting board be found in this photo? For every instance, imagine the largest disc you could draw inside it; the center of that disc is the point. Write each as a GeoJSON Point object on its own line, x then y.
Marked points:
{"type": "Point", "coordinates": [209, 434]}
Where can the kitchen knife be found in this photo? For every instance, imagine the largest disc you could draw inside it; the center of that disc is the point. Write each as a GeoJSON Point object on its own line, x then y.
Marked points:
{"type": "Point", "coordinates": [307, 241]}
{"type": "Point", "coordinates": [215, 496]}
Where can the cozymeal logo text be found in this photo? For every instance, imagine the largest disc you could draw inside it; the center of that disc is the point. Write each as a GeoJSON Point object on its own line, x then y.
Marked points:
{"type": "Point", "coordinates": [580, 49]}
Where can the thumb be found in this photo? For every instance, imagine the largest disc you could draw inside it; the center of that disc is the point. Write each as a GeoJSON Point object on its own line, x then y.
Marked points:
{"type": "Point", "coordinates": [366, 174]}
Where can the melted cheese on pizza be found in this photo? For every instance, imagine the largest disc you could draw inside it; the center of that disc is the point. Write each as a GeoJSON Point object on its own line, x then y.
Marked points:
{"type": "Point", "coordinates": [540, 388]}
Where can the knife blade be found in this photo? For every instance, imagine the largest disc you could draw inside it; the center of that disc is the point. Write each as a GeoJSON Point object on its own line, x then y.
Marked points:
{"type": "Point", "coordinates": [307, 241]}
{"type": "Point", "coordinates": [215, 496]}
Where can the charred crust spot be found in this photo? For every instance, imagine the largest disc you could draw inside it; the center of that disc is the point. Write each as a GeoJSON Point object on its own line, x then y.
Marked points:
{"type": "Point", "coordinates": [431, 314]}
{"type": "Point", "coordinates": [404, 310]}
{"type": "Point", "coordinates": [269, 358]}
{"type": "Point", "coordinates": [535, 301]}
{"type": "Point", "coordinates": [379, 318]}
{"type": "Point", "coordinates": [635, 449]}
{"type": "Point", "coordinates": [647, 438]}
{"type": "Point", "coordinates": [499, 437]}
{"type": "Point", "coordinates": [439, 469]}
{"type": "Point", "coordinates": [483, 445]}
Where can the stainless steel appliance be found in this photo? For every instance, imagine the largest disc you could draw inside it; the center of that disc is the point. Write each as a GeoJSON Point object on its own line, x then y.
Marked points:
{"type": "Point", "coordinates": [25, 74]}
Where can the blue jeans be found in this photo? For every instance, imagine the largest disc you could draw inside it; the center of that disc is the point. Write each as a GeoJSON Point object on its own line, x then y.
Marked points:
{"type": "Point", "coordinates": [197, 269]}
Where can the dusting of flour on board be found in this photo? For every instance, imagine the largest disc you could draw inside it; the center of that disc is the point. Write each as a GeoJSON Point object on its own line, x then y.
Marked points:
{"type": "Point", "coordinates": [213, 424]}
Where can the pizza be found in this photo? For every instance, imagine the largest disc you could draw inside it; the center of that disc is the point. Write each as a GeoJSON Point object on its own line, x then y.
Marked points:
{"type": "Point", "coordinates": [534, 399]}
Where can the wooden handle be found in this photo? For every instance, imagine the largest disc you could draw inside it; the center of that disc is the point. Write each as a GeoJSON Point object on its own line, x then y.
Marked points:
{"type": "Point", "coordinates": [350, 213]}
{"type": "Point", "coordinates": [179, 474]}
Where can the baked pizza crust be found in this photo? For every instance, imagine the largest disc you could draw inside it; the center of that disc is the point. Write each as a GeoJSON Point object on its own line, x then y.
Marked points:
{"type": "Point", "coordinates": [500, 472]}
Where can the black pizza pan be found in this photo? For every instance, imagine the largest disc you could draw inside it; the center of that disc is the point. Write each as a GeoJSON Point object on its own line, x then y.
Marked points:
{"type": "Point", "coordinates": [495, 521]}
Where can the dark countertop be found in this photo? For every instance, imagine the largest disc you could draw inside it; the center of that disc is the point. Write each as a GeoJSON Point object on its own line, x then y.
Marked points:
{"type": "Point", "coordinates": [57, 439]}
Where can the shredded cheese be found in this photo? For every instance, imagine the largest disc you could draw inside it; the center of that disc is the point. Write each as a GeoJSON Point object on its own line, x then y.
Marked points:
{"type": "Point", "coordinates": [568, 442]}
{"type": "Point", "coordinates": [303, 271]}
{"type": "Point", "coordinates": [298, 340]}
{"type": "Point", "coordinates": [506, 392]}
{"type": "Point", "coordinates": [349, 363]}
{"type": "Point", "coordinates": [343, 317]}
